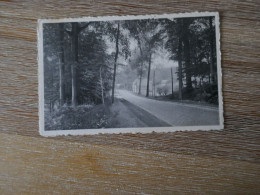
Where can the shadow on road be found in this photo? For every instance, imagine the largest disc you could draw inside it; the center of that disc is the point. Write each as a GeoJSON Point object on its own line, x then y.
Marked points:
{"type": "Point", "coordinates": [127, 115]}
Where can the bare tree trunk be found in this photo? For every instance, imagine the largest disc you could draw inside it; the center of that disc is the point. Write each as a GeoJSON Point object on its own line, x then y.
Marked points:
{"type": "Point", "coordinates": [61, 67]}
{"type": "Point", "coordinates": [201, 87]}
{"type": "Point", "coordinates": [187, 63]}
{"type": "Point", "coordinates": [73, 86]}
{"type": "Point", "coordinates": [50, 107]}
{"type": "Point", "coordinates": [140, 82]}
{"type": "Point", "coordinates": [74, 48]}
{"type": "Point", "coordinates": [186, 43]}
{"type": "Point", "coordinates": [212, 76]}
{"type": "Point", "coordinates": [61, 73]}
{"type": "Point", "coordinates": [116, 56]}
{"type": "Point", "coordinates": [101, 85]}
{"type": "Point", "coordinates": [148, 76]}
{"type": "Point", "coordinates": [154, 83]}
{"type": "Point", "coordinates": [142, 64]}
{"type": "Point", "coordinates": [52, 90]}
{"type": "Point", "coordinates": [172, 81]}
{"type": "Point", "coordinates": [180, 68]}
{"type": "Point", "coordinates": [74, 34]}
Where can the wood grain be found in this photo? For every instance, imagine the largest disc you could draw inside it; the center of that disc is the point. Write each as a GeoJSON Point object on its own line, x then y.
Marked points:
{"type": "Point", "coordinates": [202, 162]}
{"type": "Point", "coordinates": [41, 166]}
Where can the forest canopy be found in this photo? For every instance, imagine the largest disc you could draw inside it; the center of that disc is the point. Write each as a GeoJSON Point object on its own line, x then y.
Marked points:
{"type": "Point", "coordinates": [85, 62]}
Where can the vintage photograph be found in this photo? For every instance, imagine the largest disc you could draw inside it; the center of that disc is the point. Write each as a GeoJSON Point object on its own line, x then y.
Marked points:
{"type": "Point", "coordinates": [130, 74]}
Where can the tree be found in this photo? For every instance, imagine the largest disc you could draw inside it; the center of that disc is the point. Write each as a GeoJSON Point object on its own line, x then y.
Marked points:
{"type": "Point", "coordinates": [112, 31]}
{"type": "Point", "coordinates": [203, 54]}
{"type": "Point", "coordinates": [101, 85]}
{"type": "Point", "coordinates": [154, 40]}
{"type": "Point", "coordinates": [148, 75]}
{"type": "Point", "coordinates": [160, 91]}
{"type": "Point", "coordinates": [165, 90]}
{"type": "Point", "coordinates": [153, 36]}
{"type": "Point", "coordinates": [61, 68]}
{"type": "Point", "coordinates": [172, 81]}
{"type": "Point", "coordinates": [95, 71]}
{"type": "Point", "coordinates": [154, 83]}
{"type": "Point", "coordinates": [76, 28]}
{"type": "Point", "coordinates": [180, 67]}
{"type": "Point", "coordinates": [199, 48]}
{"type": "Point", "coordinates": [174, 44]}
{"type": "Point", "coordinates": [191, 42]}
{"type": "Point", "coordinates": [186, 43]}
{"type": "Point", "coordinates": [148, 35]}
{"type": "Point", "coordinates": [135, 28]}
{"type": "Point", "coordinates": [116, 56]}
{"type": "Point", "coordinates": [136, 62]}
{"type": "Point", "coordinates": [212, 56]}
{"type": "Point", "coordinates": [51, 60]}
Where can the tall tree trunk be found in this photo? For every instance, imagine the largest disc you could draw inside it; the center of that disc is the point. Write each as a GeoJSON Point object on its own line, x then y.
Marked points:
{"type": "Point", "coordinates": [61, 67]}
{"type": "Point", "coordinates": [115, 63]}
{"type": "Point", "coordinates": [212, 76]}
{"type": "Point", "coordinates": [154, 83]}
{"type": "Point", "coordinates": [186, 43]}
{"type": "Point", "coordinates": [172, 81]}
{"type": "Point", "coordinates": [52, 87]}
{"type": "Point", "coordinates": [180, 67]}
{"type": "Point", "coordinates": [201, 79]}
{"type": "Point", "coordinates": [140, 82]}
{"type": "Point", "coordinates": [187, 63]}
{"type": "Point", "coordinates": [73, 86]}
{"type": "Point", "coordinates": [50, 107]}
{"type": "Point", "coordinates": [209, 73]}
{"type": "Point", "coordinates": [148, 76]}
{"type": "Point", "coordinates": [142, 64]}
{"type": "Point", "coordinates": [74, 48]}
{"type": "Point", "coordinates": [101, 85]}
{"type": "Point", "coordinates": [74, 34]}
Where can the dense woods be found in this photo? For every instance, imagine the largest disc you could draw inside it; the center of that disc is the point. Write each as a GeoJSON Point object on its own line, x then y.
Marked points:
{"type": "Point", "coordinates": [85, 62]}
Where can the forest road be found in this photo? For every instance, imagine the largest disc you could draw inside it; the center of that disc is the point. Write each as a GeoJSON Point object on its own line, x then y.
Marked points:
{"type": "Point", "coordinates": [173, 113]}
{"type": "Point", "coordinates": [126, 114]}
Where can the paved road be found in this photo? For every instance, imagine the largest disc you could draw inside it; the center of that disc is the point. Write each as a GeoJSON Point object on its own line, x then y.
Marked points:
{"type": "Point", "coordinates": [176, 114]}
{"type": "Point", "coordinates": [127, 115]}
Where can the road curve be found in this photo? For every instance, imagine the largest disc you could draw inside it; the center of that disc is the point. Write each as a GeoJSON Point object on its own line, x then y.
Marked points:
{"type": "Point", "coordinates": [176, 114]}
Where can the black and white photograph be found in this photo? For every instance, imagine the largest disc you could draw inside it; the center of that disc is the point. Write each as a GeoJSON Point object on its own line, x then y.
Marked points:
{"type": "Point", "coordinates": [130, 74]}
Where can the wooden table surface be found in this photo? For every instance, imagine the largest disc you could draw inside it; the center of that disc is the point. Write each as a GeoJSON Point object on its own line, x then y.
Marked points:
{"type": "Point", "coordinates": [201, 162]}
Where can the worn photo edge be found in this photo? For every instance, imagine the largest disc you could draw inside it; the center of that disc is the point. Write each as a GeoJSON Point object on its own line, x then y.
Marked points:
{"type": "Point", "coordinates": [53, 133]}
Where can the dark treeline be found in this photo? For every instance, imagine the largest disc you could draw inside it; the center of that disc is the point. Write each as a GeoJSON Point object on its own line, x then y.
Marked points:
{"type": "Point", "coordinates": [75, 61]}
{"type": "Point", "coordinates": [192, 43]}
{"type": "Point", "coordinates": [81, 58]}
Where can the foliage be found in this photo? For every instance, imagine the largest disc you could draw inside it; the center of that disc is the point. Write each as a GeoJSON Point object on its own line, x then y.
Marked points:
{"type": "Point", "coordinates": [80, 117]}
{"type": "Point", "coordinates": [160, 91]}
{"type": "Point", "coordinates": [196, 36]}
{"type": "Point", "coordinates": [81, 63]}
{"type": "Point", "coordinates": [93, 61]}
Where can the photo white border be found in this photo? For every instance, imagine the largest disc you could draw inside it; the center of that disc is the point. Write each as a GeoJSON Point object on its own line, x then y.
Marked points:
{"type": "Point", "coordinates": [53, 133]}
